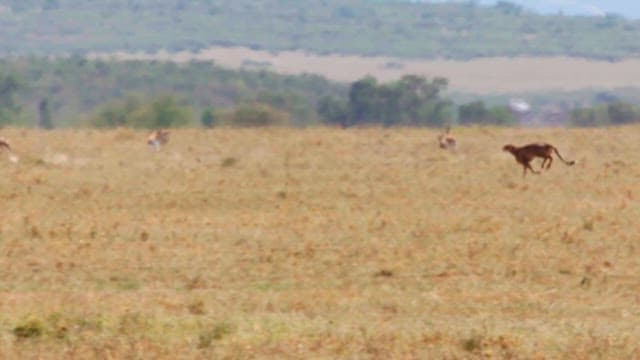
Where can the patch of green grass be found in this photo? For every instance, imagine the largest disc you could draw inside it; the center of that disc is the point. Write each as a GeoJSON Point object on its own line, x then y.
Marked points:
{"type": "Point", "coordinates": [125, 282]}
{"type": "Point", "coordinates": [218, 332]}
{"type": "Point", "coordinates": [228, 162]}
{"type": "Point", "coordinates": [30, 329]}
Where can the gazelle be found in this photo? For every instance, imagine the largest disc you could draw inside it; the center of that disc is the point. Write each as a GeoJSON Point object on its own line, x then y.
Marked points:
{"type": "Point", "coordinates": [4, 145]}
{"type": "Point", "coordinates": [158, 138]}
{"type": "Point", "coordinates": [446, 140]}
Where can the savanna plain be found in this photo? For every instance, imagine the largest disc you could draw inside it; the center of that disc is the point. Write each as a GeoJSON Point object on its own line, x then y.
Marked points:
{"type": "Point", "coordinates": [318, 243]}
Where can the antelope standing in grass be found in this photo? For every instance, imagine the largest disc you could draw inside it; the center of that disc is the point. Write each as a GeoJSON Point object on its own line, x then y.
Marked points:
{"type": "Point", "coordinates": [446, 140]}
{"type": "Point", "coordinates": [4, 145]}
{"type": "Point", "coordinates": [158, 138]}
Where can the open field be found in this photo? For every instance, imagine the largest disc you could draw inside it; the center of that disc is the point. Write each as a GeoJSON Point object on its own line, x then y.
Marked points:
{"type": "Point", "coordinates": [482, 76]}
{"type": "Point", "coordinates": [318, 243]}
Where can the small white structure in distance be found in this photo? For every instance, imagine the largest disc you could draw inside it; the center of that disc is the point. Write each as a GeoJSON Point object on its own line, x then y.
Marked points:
{"type": "Point", "coordinates": [519, 106]}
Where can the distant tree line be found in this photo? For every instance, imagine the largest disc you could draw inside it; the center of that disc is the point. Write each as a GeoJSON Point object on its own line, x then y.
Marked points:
{"type": "Point", "coordinates": [477, 112]}
{"type": "Point", "coordinates": [78, 92]}
{"type": "Point", "coordinates": [73, 91]}
{"type": "Point", "coordinates": [615, 113]}
{"type": "Point", "coordinates": [411, 101]}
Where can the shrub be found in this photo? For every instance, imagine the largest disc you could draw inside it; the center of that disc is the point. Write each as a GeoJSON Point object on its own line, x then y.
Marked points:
{"type": "Point", "coordinates": [333, 111]}
{"type": "Point", "coordinates": [622, 113]}
{"type": "Point", "coordinates": [29, 330]}
{"type": "Point", "coordinates": [615, 113]}
{"type": "Point", "coordinates": [208, 118]}
{"type": "Point", "coordinates": [588, 117]}
{"type": "Point", "coordinates": [161, 112]}
{"type": "Point", "coordinates": [219, 331]}
{"type": "Point", "coordinates": [477, 113]}
{"type": "Point", "coordinates": [116, 113]}
{"type": "Point", "coordinates": [257, 114]}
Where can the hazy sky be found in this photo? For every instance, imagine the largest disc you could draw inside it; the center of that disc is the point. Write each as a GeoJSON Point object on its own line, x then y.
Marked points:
{"type": "Point", "coordinates": [627, 8]}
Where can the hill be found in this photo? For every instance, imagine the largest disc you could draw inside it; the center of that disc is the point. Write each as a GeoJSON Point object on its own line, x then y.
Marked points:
{"type": "Point", "coordinates": [626, 8]}
{"type": "Point", "coordinates": [388, 27]}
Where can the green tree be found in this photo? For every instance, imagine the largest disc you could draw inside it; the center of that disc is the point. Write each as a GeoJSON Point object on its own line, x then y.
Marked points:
{"type": "Point", "coordinates": [502, 115]}
{"type": "Point", "coordinates": [362, 101]}
{"type": "Point", "coordinates": [437, 114]}
{"type": "Point", "coordinates": [161, 112]}
{"type": "Point", "coordinates": [472, 113]}
{"type": "Point", "coordinates": [257, 114]}
{"type": "Point", "coordinates": [589, 117]}
{"type": "Point", "coordinates": [622, 113]}
{"type": "Point", "coordinates": [116, 113]}
{"type": "Point", "coordinates": [334, 111]}
{"type": "Point", "coordinates": [44, 113]}
{"type": "Point", "coordinates": [208, 118]}
{"type": "Point", "coordinates": [10, 84]}
{"type": "Point", "coordinates": [419, 101]}
{"type": "Point", "coordinates": [300, 108]}
{"type": "Point", "coordinates": [412, 100]}
{"type": "Point", "coordinates": [615, 113]}
{"type": "Point", "coordinates": [477, 113]}
{"type": "Point", "coordinates": [166, 111]}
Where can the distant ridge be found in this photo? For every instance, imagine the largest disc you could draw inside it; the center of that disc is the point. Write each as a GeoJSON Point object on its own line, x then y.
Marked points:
{"type": "Point", "coordinates": [625, 8]}
{"type": "Point", "coordinates": [463, 30]}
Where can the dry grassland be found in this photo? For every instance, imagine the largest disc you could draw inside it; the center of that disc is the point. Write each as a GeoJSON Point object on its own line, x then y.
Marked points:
{"type": "Point", "coordinates": [318, 243]}
{"type": "Point", "coordinates": [482, 76]}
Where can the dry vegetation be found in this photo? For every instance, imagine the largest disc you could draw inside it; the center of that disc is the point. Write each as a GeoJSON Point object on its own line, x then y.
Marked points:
{"type": "Point", "coordinates": [487, 76]}
{"type": "Point", "coordinates": [318, 243]}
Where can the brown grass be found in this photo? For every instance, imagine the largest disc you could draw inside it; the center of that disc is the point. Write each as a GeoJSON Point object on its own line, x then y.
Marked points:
{"type": "Point", "coordinates": [482, 76]}
{"type": "Point", "coordinates": [318, 243]}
